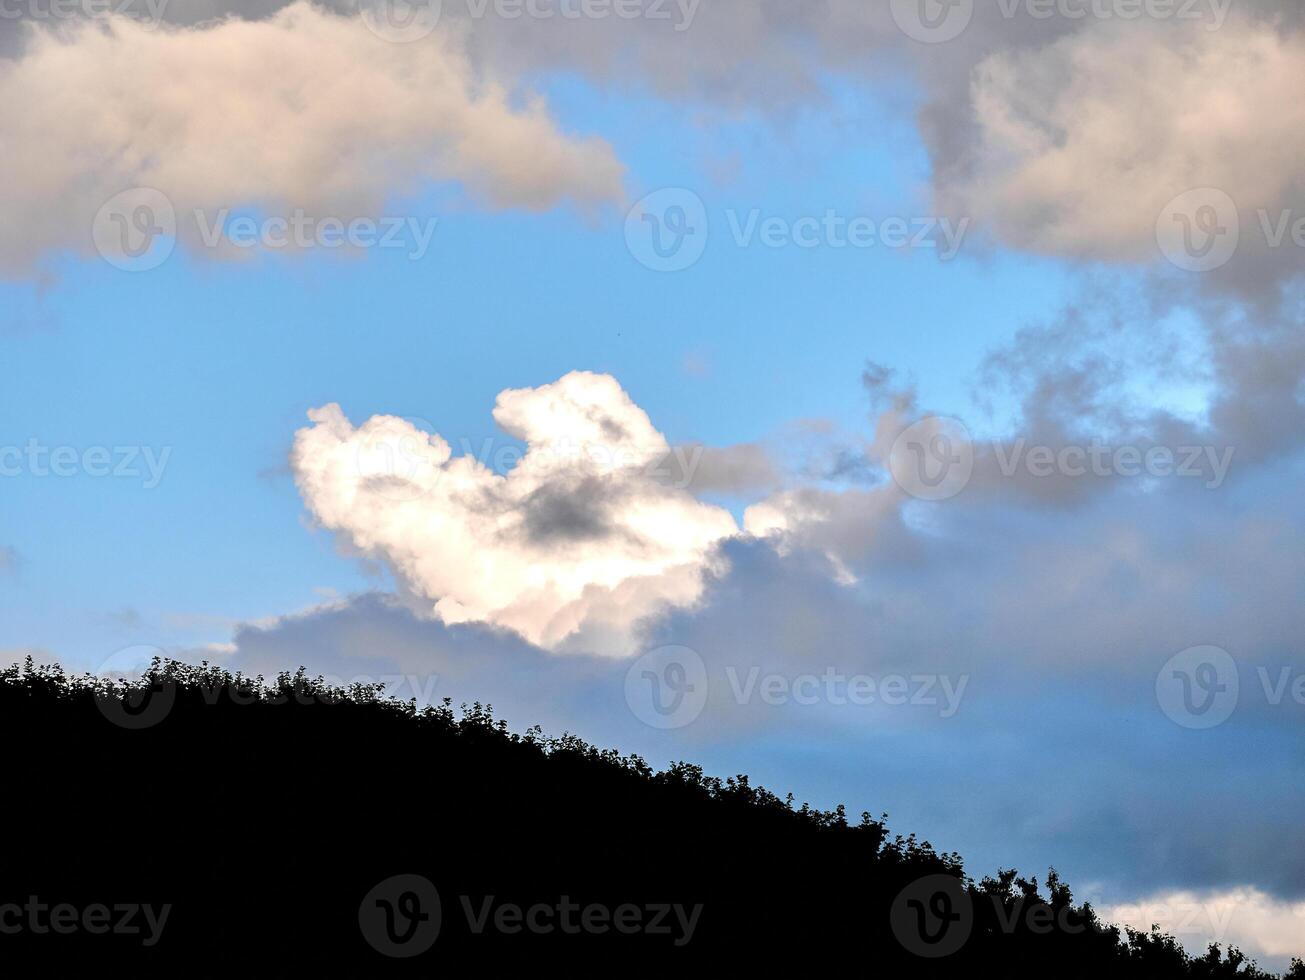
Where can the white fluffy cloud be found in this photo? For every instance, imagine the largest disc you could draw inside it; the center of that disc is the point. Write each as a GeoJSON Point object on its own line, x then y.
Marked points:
{"type": "Point", "coordinates": [1265, 928]}
{"type": "Point", "coordinates": [306, 109]}
{"type": "Point", "coordinates": [1083, 142]}
{"type": "Point", "coordinates": [575, 545]}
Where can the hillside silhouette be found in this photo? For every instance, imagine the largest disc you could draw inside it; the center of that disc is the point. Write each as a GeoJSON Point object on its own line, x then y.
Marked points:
{"type": "Point", "coordinates": [286, 827]}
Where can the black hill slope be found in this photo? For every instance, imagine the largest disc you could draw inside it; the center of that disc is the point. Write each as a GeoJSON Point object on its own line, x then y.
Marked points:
{"type": "Point", "coordinates": [200, 823]}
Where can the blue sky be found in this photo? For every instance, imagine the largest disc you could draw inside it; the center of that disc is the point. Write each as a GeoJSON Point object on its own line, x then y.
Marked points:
{"type": "Point", "coordinates": [221, 361]}
{"type": "Point", "coordinates": [1070, 317]}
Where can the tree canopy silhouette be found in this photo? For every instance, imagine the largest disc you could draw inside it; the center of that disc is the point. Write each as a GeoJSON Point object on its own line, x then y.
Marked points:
{"type": "Point", "coordinates": [287, 826]}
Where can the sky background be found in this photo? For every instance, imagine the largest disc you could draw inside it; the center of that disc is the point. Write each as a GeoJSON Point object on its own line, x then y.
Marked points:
{"type": "Point", "coordinates": [1070, 149]}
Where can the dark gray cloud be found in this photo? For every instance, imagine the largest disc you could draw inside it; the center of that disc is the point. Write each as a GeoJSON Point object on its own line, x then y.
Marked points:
{"type": "Point", "coordinates": [1053, 635]}
{"type": "Point", "coordinates": [747, 468]}
{"type": "Point", "coordinates": [576, 511]}
{"type": "Point", "coordinates": [1009, 113]}
{"type": "Point", "coordinates": [1052, 623]}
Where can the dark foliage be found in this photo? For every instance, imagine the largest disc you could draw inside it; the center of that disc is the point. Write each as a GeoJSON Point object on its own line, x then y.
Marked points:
{"type": "Point", "coordinates": [266, 814]}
